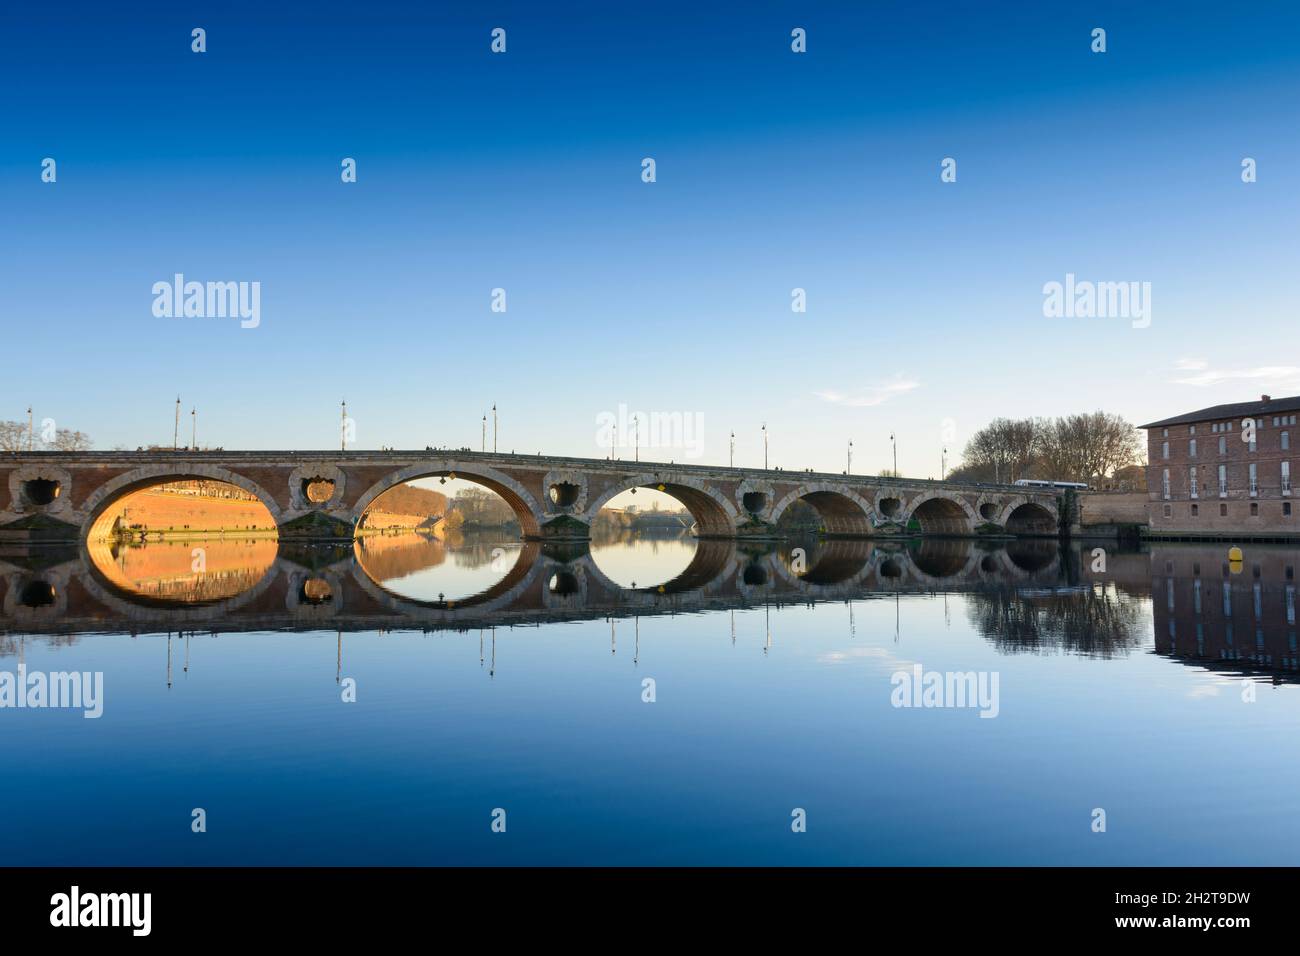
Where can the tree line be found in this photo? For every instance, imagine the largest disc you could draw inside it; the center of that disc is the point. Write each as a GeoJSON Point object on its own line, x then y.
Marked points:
{"type": "Point", "coordinates": [1094, 447]}
{"type": "Point", "coordinates": [14, 436]}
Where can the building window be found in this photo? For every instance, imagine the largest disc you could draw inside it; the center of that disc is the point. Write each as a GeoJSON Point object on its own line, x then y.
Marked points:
{"type": "Point", "coordinates": [1223, 511]}
{"type": "Point", "coordinates": [1254, 507]}
{"type": "Point", "coordinates": [1214, 429]}
{"type": "Point", "coordinates": [1286, 441]}
{"type": "Point", "coordinates": [1169, 510]}
{"type": "Point", "coordinates": [1164, 482]}
{"type": "Point", "coordinates": [1223, 481]}
{"type": "Point", "coordinates": [1254, 480]}
{"type": "Point", "coordinates": [1191, 430]}
{"type": "Point", "coordinates": [1192, 481]}
{"type": "Point", "coordinates": [1164, 450]}
{"type": "Point", "coordinates": [1286, 477]}
{"type": "Point", "coordinates": [1223, 446]}
{"type": "Point", "coordinates": [1165, 433]}
{"type": "Point", "coordinates": [1196, 510]}
{"type": "Point", "coordinates": [1191, 448]}
{"type": "Point", "coordinates": [1286, 509]}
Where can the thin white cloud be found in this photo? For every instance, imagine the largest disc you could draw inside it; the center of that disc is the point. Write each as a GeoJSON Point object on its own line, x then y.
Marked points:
{"type": "Point", "coordinates": [869, 396]}
{"type": "Point", "coordinates": [1204, 375]}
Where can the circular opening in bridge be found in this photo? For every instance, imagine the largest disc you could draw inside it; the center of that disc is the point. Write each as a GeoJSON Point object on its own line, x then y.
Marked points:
{"type": "Point", "coordinates": [642, 538]}
{"type": "Point", "coordinates": [891, 568]}
{"type": "Point", "coordinates": [440, 539]}
{"type": "Point", "coordinates": [36, 594]}
{"type": "Point", "coordinates": [41, 491]}
{"type": "Point", "coordinates": [754, 501]}
{"type": "Point", "coordinates": [564, 494]}
{"type": "Point", "coordinates": [889, 507]}
{"type": "Point", "coordinates": [315, 591]}
{"type": "Point", "coordinates": [317, 490]}
{"type": "Point", "coordinates": [564, 583]}
{"type": "Point", "coordinates": [184, 541]}
{"type": "Point", "coordinates": [988, 511]}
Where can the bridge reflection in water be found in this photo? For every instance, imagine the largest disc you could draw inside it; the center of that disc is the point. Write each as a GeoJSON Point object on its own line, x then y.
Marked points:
{"type": "Point", "coordinates": [1022, 596]}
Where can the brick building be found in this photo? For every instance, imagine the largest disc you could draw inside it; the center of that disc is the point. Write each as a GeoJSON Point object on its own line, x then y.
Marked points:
{"type": "Point", "coordinates": [1205, 476]}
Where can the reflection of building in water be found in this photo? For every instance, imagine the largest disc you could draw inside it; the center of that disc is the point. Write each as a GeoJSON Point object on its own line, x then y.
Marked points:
{"type": "Point", "coordinates": [184, 572]}
{"type": "Point", "coordinates": [386, 558]}
{"type": "Point", "coordinates": [1218, 613]}
{"type": "Point", "coordinates": [1091, 619]}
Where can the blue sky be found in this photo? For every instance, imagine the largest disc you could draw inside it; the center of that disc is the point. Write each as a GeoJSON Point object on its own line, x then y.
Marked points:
{"type": "Point", "coordinates": [522, 171]}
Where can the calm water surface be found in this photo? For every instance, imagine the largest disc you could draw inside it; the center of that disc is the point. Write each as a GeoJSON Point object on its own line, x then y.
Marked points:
{"type": "Point", "coordinates": [490, 674]}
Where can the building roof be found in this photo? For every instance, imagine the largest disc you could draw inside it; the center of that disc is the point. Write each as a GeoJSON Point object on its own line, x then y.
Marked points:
{"type": "Point", "coordinates": [1266, 405]}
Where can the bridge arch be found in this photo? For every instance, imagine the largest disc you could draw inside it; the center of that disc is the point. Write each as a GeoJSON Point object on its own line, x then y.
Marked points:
{"type": "Point", "coordinates": [519, 498]}
{"type": "Point", "coordinates": [942, 514]}
{"type": "Point", "coordinates": [714, 515]}
{"type": "Point", "coordinates": [147, 476]}
{"type": "Point", "coordinates": [1026, 516]}
{"type": "Point", "coordinates": [843, 511]}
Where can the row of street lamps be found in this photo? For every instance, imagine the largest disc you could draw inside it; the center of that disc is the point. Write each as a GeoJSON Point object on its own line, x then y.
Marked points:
{"type": "Point", "coordinates": [636, 438]}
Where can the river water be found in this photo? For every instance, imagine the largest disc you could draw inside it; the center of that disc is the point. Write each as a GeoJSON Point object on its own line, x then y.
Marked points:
{"type": "Point", "coordinates": [413, 700]}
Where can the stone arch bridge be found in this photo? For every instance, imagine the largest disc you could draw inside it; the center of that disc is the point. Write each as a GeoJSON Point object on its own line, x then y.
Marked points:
{"type": "Point", "coordinates": [61, 495]}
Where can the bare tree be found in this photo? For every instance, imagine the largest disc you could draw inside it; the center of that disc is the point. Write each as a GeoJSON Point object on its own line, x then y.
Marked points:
{"type": "Point", "coordinates": [1003, 450]}
{"type": "Point", "coordinates": [65, 439]}
{"type": "Point", "coordinates": [13, 436]}
{"type": "Point", "coordinates": [1083, 447]}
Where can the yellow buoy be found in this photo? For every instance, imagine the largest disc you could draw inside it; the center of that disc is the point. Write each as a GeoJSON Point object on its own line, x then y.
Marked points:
{"type": "Point", "coordinates": [1234, 553]}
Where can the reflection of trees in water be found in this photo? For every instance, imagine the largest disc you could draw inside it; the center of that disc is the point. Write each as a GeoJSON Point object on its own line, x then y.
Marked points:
{"type": "Point", "coordinates": [1097, 622]}
{"type": "Point", "coordinates": [10, 643]}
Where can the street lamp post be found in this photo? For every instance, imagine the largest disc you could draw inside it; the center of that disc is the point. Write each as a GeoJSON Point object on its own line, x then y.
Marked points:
{"type": "Point", "coordinates": [494, 428]}
{"type": "Point", "coordinates": [849, 470]}
{"type": "Point", "coordinates": [343, 427]}
{"type": "Point", "coordinates": [765, 446]}
{"type": "Point", "coordinates": [636, 439]}
{"type": "Point", "coordinates": [943, 464]}
{"type": "Point", "coordinates": [176, 432]}
{"type": "Point", "coordinates": [733, 450]}
{"type": "Point", "coordinates": [194, 429]}
{"type": "Point", "coordinates": [484, 446]}
{"type": "Point", "coordinates": [895, 443]}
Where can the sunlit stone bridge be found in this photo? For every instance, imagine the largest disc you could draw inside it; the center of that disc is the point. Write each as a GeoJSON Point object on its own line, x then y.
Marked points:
{"type": "Point", "coordinates": [325, 494]}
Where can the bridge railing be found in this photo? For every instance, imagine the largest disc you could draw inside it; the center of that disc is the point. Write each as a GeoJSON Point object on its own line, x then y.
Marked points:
{"type": "Point", "coordinates": [414, 455]}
